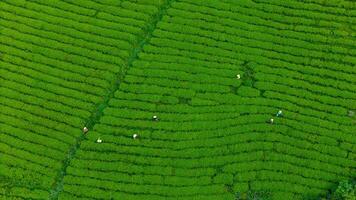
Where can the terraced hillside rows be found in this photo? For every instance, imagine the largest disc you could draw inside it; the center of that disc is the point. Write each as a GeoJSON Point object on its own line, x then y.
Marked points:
{"type": "Point", "coordinates": [60, 62]}
{"type": "Point", "coordinates": [112, 65]}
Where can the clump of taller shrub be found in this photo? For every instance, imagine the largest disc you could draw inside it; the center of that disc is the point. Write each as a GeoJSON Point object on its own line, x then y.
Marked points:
{"type": "Point", "coordinates": [346, 190]}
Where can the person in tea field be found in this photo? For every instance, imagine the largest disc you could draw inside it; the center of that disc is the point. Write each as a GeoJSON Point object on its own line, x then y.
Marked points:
{"type": "Point", "coordinates": [279, 114]}
{"type": "Point", "coordinates": [155, 118]}
{"type": "Point", "coordinates": [85, 130]}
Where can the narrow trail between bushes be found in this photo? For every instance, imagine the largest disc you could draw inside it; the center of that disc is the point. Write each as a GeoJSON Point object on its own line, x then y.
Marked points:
{"type": "Point", "coordinates": [98, 112]}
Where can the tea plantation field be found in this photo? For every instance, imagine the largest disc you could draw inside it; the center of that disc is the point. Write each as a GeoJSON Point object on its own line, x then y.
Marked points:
{"type": "Point", "coordinates": [214, 72]}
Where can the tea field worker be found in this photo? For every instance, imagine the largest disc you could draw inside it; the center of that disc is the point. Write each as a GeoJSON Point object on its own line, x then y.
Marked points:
{"type": "Point", "coordinates": [85, 130]}
{"type": "Point", "coordinates": [135, 136]}
{"type": "Point", "coordinates": [155, 118]}
{"type": "Point", "coordinates": [350, 113]}
{"type": "Point", "coordinates": [279, 114]}
{"type": "Point", "coordinates": [238, 76]}
{"type": "Point", "coordinates": [99, 140]}
{"type": "Point", "coordinates": [271, 120]}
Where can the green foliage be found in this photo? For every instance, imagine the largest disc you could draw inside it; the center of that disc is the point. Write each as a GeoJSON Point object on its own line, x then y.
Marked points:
{"type": "Point", "coordinates": [113, 64]}
{"type": "Point", "coordinates": [253, 195]}
{"type": "Point", "coordinates": [346, 190]}
{"type": "Point", "coordinates": [16, 177]}
{"type": "Point", "coordinates": [248, 92]}
{"type": "Point", "coordinates": [258, 195]}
